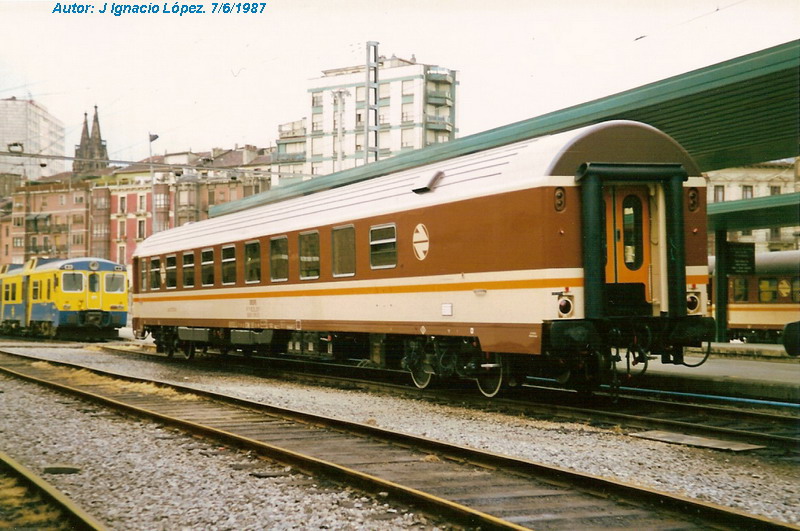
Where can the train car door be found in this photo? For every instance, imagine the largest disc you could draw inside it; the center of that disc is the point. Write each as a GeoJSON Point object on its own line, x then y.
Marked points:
{"type": "Point", "coordinates": [94, 293]}
{"type": "Point", "coordinates": [628, 260]}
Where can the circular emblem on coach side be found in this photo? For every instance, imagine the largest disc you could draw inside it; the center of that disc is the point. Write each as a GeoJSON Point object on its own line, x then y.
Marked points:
{"type": "Point", "coordinates": [421, 241]}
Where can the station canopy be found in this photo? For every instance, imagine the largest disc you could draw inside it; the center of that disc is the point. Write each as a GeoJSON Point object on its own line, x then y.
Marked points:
{"type": "Point", "coordinates": [742, 111]}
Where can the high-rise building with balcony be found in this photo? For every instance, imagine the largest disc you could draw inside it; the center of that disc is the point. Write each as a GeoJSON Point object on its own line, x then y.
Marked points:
{"type": "Point", "coordinates": [27, 127]}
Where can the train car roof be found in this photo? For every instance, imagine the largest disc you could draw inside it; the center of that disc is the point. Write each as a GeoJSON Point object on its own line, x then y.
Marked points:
{"type": "Point", "coordinates": [80, 264]}
{"type": "Point", "coordinates": [525, 164]}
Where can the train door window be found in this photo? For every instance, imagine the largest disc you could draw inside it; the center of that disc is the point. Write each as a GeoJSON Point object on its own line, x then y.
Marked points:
{"type": "Point", "coordinates": [344, 251]}
{"type": "Point", "coordinates": [72, 282]}
{"type": "Point", "coordinates": [142, 275]}
{"type": "Point", "coordinates": [229, 265]}
{"type": "Point", "coordinates": [171, 272]}
{"type": "Point", "coordinates": [94, 282]}
{"type": "Point", "coordinates": [767, 290]}
{"type": "Point", "coordinates": [49, 290]}
{"type": "Point", "coordinates": [207, 267]}
{"type": "Point", "coordinates": [739, 289]}
{"type": "Point", "coordinates": [252, 262]}
{"type": "Point", "coordinates": [632, 232]}
{"type": "Point", "coordinates": [188, 270]}
{"type": "Point", "coordinates": [155, 273]}
{"type": "Point", "coordinates": [35, 290]}
{"type": "Point", "coordinates": [383, 246]}
{"type": "Point", "coordinates": [115, 283]}
{"type": "Point", "coordinates": [309, 255]}
{"type": "Point", "coordinates": [279, 258]}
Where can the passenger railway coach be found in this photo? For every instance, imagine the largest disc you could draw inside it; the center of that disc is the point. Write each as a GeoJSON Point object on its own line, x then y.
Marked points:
{"type": "Point", "coordinates": [81, 298]}
{"type": "Point", "coordinates": [540, 257]}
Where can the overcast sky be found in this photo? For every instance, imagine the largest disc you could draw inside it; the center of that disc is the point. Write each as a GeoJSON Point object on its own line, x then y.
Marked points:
{"type": "Point", "coordinates": [216, 80]}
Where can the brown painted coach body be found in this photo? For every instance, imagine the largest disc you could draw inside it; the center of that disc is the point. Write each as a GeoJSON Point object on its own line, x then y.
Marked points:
{"type": "Point", "coordinates": [539, 256]}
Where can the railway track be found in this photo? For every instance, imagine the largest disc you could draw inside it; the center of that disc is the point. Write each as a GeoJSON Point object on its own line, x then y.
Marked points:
{"type": "Point", "coordinates": [460, 485]}
{"type": "Point", "coordinates": [28, 502]}
{"type": "Point", "coordinates": [719, 426]}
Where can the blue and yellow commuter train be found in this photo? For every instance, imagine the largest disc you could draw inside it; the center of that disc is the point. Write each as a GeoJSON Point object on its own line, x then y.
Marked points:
{"type": "Point", "coordinates": [82, 298]}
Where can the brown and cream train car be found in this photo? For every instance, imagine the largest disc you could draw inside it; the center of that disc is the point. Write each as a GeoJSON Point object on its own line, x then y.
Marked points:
{"type": "Point", "coordinates": [542, 256]}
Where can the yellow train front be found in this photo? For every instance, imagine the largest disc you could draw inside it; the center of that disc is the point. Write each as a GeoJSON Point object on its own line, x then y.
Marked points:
{"type": "Point", "coordinates": [81, 298]}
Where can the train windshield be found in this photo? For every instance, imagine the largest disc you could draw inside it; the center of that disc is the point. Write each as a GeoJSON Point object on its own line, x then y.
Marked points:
{"type": "Point", "coordinates": [72, 282]}
{"type": "Point", "coordinates": [115, 283]}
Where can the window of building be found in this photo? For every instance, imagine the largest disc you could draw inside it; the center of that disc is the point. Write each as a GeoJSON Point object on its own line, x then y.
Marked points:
{"type": "Point", "coordinates": [309, 255]}
{"type": "Point", "coordinates": [77, 219]}
{"type": "Point", "coordinates": [78, 199]}
{"type": "Point", "coordinates": [383, 246]}
{"type": "Point", "coordinates": [115, 283]}
{"type": "Point", "coordinates": [122, 204]}
{"type": "Point", "coordinates": [719, 193]}
{"type": "Point", "coordinates": [252, 262]}
{"type": "Point", "coordinates": [767, 290]}
{"type": "Point", "coordinates": [279, 258]}
{"type": "Point", "coordinates": [229, 264]}
{"type": "Point", "coordinates": [140, 229]}
{"type": "Point", "coordinates": [17, 242]}
{"type": "Point", "coordinates": [188, 270]}
{"type": "Point", "coordinates": [360, 93]}
{"type": "Point", "coordinates": [211, 197]}
{"type": "Point", "coordinates": [774, 190]}
{"type": "Point", "coordinates": [172, 272]}
{"type": "Point", "coordinates": [121, 255]}
{"type": "Point", "coordinates": [121, 229]}
{"type": "Point", "coordinates": [407, 137]}
{"type": "Point", "coordinates": [747, 191]}
{"type": "Point", "coordinates": [344, 251]}
{"type": "Point", "coordinates": [18, 221]}
{"type": "Point", "coordinates": [62, 200]}
{"type": "Point", "coordinates": [408, 87]}
{"type": "Point", "coordinates": [384, 90]}
{"type": "Point", "coordinates": [316, 99]}
{"type": "Point", "coordinates": [77, 239]}
{"type": "Point", "coordinates": [316, 123]}
{"type": "Point", "coordinates": [316, 146]}
{"type": "Point", "coordinates": [207, 267]}
{"type": "Point", "coordinates": [162, 200]}
{"type": "Point", "coordinates": [142, 203]}
{"type": "Point", "coordinates": [155, 273]}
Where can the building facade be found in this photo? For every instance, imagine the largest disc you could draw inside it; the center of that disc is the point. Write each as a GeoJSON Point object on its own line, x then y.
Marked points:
{"type": "Point", "coordinates": [416, 106]}
{"type": "Point", "coordinates": [28, 127]}
{"type": "Point", "coordinates": [758, 180]}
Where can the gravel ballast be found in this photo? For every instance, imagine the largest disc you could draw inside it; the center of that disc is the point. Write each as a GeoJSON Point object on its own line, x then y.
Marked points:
{"type": "Point", "coordinates": [753, 484]}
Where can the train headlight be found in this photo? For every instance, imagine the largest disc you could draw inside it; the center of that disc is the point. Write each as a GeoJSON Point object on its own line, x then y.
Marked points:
{"type": "Point", "coordinates": [693, 302]}
{"type": "Point", "coordinates": [565, 306]}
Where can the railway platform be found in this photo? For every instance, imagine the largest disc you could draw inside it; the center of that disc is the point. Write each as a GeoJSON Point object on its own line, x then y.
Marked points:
{"type": "Point", "coordinates": [743, 370]}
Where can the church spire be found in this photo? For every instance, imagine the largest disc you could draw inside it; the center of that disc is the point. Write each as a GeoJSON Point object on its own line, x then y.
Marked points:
{"type": "Point", "coordinates": [92, 153]}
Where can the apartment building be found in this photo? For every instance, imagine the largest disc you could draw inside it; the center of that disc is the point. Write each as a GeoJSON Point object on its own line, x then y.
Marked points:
{"type": "Point", "coordinates": [27, 126]}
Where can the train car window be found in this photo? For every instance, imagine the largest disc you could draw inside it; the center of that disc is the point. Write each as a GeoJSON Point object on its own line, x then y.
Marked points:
{"type": "Point", "coordinates": [796, 290]}
{"type": "Point", "coordinates": [35, 290]}
{"type": "Point", "coordinates": [252, 262]}
{"type": "Point", "coordinates": [171, 272]}
{"type": "Point", "coordinates": [207, 267]}
{"type": "Point", "coordinates": [309, 255]}
{"type": "Point", "coordinates": [229, 265]}
{"type": "Point", "coordinates": [739, 289]}
{"type": "Point", "coordinates": [94, 282]}
{"type": "Point", "coordinates": [142, 275]}
{"type": "Point", "coordinates": [188, 270]}
{"type": "Point", "coordinates": [344, 251]}
{"type": "Point", "coordinates": [632, 232]}
{"type": "Point", "coordinates": [6, 292]}
{"type": "Point", "coordinates": [767, 289]}
{"type": "Point", "coordinates": [279, 259]}
{"type": "Point", "coordinates": [72, 282]}
{"type": "Point", "coordinates": [14, 292]}
{"type": "Point", "coordinates": [155, 273]}
{"type": "Point", "coordinates": [383, 246]}
{"type": "Point", "coordinates": [115, 283]}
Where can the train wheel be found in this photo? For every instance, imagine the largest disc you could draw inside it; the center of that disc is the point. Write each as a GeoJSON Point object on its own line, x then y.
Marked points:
{"type": "Point", "coordinates": [420, 376]}
{"type": "Point", "coordinates": [491, 378]}
{"type": "Point", "coordinates": [188, 349]}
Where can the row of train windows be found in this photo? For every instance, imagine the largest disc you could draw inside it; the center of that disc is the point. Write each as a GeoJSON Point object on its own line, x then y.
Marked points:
{"type": "Point", "coordinates": [382, 245]}
{"type": "Point", "coordinates": [71, 282]}
{"type": "Point", "coordinates": [769, 289]}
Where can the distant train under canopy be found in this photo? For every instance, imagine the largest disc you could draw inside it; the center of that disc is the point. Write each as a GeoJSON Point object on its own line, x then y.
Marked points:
{"type": "Point", "coordinates": [544, 257]}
